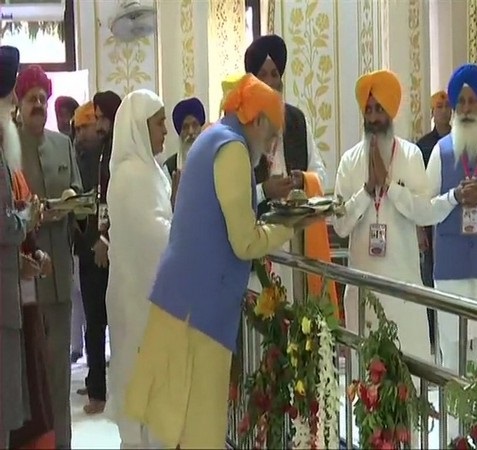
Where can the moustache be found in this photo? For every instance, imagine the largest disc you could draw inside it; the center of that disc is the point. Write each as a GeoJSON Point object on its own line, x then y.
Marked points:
{"type": "Point", "coordinates": [189, 139]}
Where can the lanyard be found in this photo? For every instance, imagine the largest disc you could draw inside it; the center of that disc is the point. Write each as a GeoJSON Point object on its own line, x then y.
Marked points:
{"type": "Point", "coordinates": [465, 163]}
{"type": "Point", "coordinates": [378, 199]}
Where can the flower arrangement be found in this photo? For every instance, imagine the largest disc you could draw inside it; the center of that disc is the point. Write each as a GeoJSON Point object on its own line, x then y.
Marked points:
{"type": "Point", "coordinates": [461, 403]}
{"type": "Point", "coordinates": [386, 405]}
{"type": "Point", "coordinates": [296, 379]}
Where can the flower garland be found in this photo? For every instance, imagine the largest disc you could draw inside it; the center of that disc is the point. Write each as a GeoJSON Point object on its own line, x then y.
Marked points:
{"type": "Point", "coordinates": [386, 405]}
{"type": "Point", "coordinates": [462, 403]}
{"type": "Point", "coordinates": [297, 379]}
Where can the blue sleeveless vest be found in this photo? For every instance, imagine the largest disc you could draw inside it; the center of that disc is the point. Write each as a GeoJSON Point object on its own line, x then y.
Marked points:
{"type": "Point", "coordinates": [454, 253]}
{"type": "Point", "coordinates": [200, 278]}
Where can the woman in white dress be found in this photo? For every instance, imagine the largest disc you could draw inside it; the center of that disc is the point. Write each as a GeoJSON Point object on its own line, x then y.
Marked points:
{"type": "Point", "coordinates": [140, 213]}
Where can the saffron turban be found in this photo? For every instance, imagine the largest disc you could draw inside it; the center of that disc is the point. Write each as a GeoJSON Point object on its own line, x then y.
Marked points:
{"type": "Point", "coordinates": [188, 107]}
{"type": "Point", "coordinates": [272, 46]}
{"type": "Point", "coordinates": [9, 62]}
{"type": "Point", "coordinates": [32, 77]}
{"type": "Point", "coordinates": [84, 115]}
{"type": "Point", "coordinates": [384, 87]}
{"type": "Point", "coordinates": [438, 99]}
{"type": "Point", "coordinates": [464, 75]}
{"type": "Point", "coordinates": [251, 97]}
{"type": "Point", "coordinates": [108, 102]}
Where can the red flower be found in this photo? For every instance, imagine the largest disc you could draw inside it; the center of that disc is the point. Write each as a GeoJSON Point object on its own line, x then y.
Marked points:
{"type": "Point", "coordinates": [233, 392]}
{"type": "Point", "coordinates": [376, 438]}
{"type": "Point", "coordinates": [262, 401]}
{"type": "Point", "coordinates": [314, 407]}
{"type": "Point", "coordinates": [272, 356]}
{"type": "Point", "coordinates": [377, 370]}
{"type": "Point", "coordinates": [244, 425]}
{"type": "Point", "coordinates": [402, 434]}
{"type": "Point", "coordinates": [369, 396]}
{"type": "Point", "coordinates": [462, 444]}
{"type": "Point", "coordinates": [387, 445]}
{"type": "Point", "coordinates": [403, 392]}
{"type": "Point", "coordinates": [292, 412]}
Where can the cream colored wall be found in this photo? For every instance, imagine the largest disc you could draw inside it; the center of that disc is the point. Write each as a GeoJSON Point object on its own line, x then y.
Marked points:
{"type": "Point", "coordinates": [330, 44]}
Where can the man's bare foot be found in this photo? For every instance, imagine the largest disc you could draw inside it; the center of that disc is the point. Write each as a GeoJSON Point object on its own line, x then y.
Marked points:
{"type": "Point", "coordinates": [82, 391]}
{"type": "Point", "coordinates": [94, 407]}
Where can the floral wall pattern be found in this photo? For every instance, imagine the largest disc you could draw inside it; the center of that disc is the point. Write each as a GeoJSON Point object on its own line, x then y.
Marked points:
{"type": "Point", "coordinates": [188, 63]}
{"type": "Point", "coordinates": [472, 30]}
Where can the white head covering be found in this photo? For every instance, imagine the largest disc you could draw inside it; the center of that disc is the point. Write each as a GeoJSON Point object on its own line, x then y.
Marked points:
{"type": "Point", "coordinates": [131, 135]}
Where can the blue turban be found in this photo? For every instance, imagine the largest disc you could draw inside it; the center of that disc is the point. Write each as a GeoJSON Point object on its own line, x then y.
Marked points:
{"type": "Point", "coordinates": [188, 107]}
{"type": "Point", "coordinates": [9, 62]}
{"type": "Point", "coordinates": [466, 74]}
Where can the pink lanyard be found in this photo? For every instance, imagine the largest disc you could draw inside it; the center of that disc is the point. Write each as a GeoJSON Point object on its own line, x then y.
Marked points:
{"type": "Point", "coordinates": [465, 163]}
{"type": "Point", "coordinates": [382, 191]}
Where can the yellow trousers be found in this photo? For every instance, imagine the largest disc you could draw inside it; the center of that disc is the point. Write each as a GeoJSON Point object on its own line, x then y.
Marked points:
{"type": "Point", "coordinates": [180, 384]}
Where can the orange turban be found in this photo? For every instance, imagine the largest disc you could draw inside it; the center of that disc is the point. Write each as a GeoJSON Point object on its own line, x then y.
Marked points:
{"type": "Point", "coordinates": [84, 115]}
{"type": "Point", "coordinates": [438, 99]}
{"type": "Point", "coordinates": [251, 97]}
{"type": "Point", "coordinates": [384, 87]}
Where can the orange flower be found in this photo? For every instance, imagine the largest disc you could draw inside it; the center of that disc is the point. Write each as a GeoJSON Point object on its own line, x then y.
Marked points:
{"type": "Point", "coordinates": [268, 301]}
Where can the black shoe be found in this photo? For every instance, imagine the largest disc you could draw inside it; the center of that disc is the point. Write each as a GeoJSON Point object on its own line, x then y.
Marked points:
{"type": "Point", "coordinates": [75, 356]}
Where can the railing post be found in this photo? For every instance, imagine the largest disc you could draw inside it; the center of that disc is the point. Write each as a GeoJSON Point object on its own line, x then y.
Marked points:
{"type": "Point", "coordinates": [463, 345]}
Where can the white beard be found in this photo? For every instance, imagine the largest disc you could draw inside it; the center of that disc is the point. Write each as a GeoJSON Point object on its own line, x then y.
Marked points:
{"type": "Point", "coordinates": [385, 143]}
{"type": "Point", "coordinates": [12, 151]}
{"type": "Point", "coordinates": [464, 138]}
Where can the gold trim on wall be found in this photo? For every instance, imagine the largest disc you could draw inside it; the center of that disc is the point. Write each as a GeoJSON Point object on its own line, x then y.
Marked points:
{"type": "Point", "coordinates": [188, 62]}
{"type": "Point", "coordinates": [271, 17]}
{"type": "Point", "coordinates": [336, 47]}
{"type": "Point", "coordinates": [472, 31]}
{"type": "Point", "coordinates": [366, 36]}
{"type": "Point", "coordinates": [415, 86]}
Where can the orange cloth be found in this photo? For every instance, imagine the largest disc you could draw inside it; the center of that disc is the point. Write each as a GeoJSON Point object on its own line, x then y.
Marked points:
{"type": "Point", "coordinates": [251, 97]}
{"type": "Point", "coordinates": [317, 245]}
{"type": "Point", "coordinates": [84, 115]}
{"type": "Point", "coordinates": [438, 99]}
{"type": "Point", "coordinates": [21, 190]}
{"type": "Point", "coordinates": [384, 86]}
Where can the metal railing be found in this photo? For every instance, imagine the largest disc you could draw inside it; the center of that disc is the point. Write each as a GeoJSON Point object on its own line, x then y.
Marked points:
{"type": "Point", "coordinates": [428, 374]}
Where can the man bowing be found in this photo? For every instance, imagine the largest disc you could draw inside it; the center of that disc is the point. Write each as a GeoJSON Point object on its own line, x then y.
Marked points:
{"type": "Point", "coordinates": [193, 326]}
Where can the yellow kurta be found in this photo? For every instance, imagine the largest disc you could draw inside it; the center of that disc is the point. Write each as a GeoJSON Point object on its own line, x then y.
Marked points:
{"type": "Point", "coordinates": [179, 388]}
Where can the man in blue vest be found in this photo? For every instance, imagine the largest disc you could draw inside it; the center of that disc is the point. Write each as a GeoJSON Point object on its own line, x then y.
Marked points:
{"type": "Point", "coordinates": [452, 171]}
{"type": "Point", "coordinates": [179, 389]}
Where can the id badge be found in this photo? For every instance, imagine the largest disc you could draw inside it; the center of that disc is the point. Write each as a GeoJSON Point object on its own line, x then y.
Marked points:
{"type": "Point", "coordinates": [377, 239]}
{"type": "Point", "coordinates": [103, 217]}
{"type": "Point", "coordinates": [469, 220]}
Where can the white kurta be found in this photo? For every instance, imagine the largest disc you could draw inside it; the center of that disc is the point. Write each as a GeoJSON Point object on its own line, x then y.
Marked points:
{"type": "Point", "coordinates": [448, 324]}
{"type": "Point", "coordinates": [400, 211]}
{"type": "Point", "coordinates": [140, 213]}
{"type": "Point", "coordinates": [316, 165]}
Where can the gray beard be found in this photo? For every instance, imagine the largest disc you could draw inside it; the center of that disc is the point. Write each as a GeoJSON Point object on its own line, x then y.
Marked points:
{"type": "Point", "coordinates": [12, 151]}
{"type": "Point", "coordinates": [384, 142]}
{"type": "Point", "coordinates": [464, 138]}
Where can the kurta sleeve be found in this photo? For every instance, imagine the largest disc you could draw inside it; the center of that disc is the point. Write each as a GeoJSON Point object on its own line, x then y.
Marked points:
{"type": "Point", "coordinates": [315, 161]}
{"type": "Point", "coordinates": [232, 177]}
{"type": "Point", "coordinates": [75, 180]}
{"type": "Point", "coordinates": [356, 202]}
{"type": "Point", "coordinates": [420, 201]}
